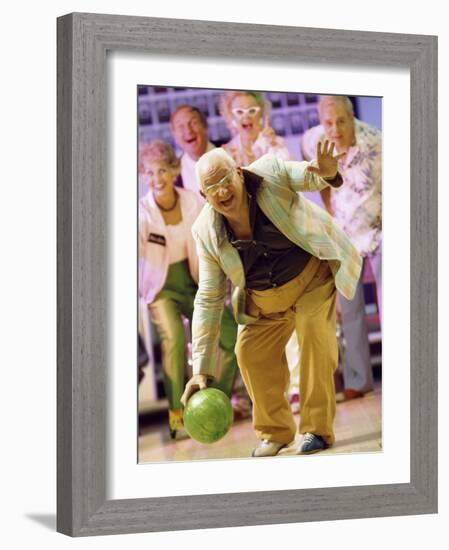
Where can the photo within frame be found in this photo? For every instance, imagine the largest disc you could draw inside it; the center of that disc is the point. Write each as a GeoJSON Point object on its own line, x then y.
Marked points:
{"type": "Point", "coordinates": [286, 391]}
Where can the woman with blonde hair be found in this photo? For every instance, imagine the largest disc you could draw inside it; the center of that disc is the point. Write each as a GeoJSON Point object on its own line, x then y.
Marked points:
{"type": "Point", "coordinates": [247, 115]}
{"type": "Point", "coordinates": [168, 271]}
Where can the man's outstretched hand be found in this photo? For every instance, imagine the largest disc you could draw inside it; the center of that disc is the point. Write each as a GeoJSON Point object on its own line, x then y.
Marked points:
{"type": "Point", "coordinates": [327, 164]}
{"type": "Point", "coordinates": [196, 383]}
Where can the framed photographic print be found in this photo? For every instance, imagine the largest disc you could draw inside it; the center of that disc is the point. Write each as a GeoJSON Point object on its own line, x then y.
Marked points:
{"type": "Point", "coordinates": [120, 79]}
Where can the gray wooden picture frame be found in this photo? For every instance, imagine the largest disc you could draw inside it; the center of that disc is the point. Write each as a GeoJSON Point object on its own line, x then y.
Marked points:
{"type": "Point", "coordinates": [83, 42]}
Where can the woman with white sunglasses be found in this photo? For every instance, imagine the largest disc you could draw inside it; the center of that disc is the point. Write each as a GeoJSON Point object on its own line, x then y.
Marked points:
{"type": "Point", "coordinates": [247, 115]}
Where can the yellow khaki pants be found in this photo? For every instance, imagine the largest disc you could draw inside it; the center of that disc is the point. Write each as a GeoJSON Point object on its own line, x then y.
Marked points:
{"type": "Point", "coordinates": [307, 304]}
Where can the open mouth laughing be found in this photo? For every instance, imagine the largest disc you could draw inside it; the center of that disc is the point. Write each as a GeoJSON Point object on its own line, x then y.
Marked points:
{"type": "Point", "coordinates": [248, 126]}
{"type": "Point", "coordinates": [160, 186]}
{"type": "Point", "coordinates": [191, 140]}
{"type": "Point", "coordinates": [227, 201]}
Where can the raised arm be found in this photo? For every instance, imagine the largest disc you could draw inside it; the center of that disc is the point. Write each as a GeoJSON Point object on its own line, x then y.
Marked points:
{"type": "Point", "coordinates": [316, 175]}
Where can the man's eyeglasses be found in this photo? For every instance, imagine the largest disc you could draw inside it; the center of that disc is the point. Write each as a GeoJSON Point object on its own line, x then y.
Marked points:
{"type": "Point", "coordinates": [240, 112]}
{"type": "Point", "coordinates": [213, 190]}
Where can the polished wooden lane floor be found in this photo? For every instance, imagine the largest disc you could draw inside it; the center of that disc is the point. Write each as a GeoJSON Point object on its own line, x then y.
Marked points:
{"type": "Point", "coordinates": [357, 429]}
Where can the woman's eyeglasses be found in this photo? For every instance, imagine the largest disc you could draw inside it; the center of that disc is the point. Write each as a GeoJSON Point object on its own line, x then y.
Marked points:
{"type": "Point", "coordinates": [240, 112]}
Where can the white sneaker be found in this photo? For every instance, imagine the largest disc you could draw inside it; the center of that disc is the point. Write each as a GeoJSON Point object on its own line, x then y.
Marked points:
{"type": "Point", "coordinates": [268, 448]}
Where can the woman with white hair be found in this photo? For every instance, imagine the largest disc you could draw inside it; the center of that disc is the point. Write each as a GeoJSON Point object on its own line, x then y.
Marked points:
{"type": "Point", "coordinates": [247, 115]}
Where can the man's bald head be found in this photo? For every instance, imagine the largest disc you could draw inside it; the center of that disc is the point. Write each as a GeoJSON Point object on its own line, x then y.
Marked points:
{"type": "Point", "coordinates": [214, 165]}
{"type": "Point", "coordinates": [222, 183]}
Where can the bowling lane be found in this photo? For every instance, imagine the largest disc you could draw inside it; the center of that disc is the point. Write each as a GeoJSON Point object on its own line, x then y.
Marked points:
{"type": "Point", "coordinates": [357, 429]}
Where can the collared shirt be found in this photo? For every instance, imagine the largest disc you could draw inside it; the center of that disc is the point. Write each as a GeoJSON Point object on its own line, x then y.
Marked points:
{"type": "Point", "coordinates": [188, 173]}
{"type": "Point", "coordinates": [357, 205]}
{"type": "Point", "coordinates": [269, 258]}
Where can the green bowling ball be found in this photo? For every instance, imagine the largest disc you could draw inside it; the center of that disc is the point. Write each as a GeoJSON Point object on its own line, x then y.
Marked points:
{"type": "Point", "coordinates": [208, 415]}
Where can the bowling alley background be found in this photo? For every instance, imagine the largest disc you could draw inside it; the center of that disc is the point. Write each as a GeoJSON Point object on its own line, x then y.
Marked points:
{"type": "Point", "coordinates": [291, 115]}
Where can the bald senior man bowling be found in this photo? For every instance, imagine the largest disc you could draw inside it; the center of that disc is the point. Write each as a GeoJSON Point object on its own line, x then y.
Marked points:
{"type": "Point", "coordinates": [285, 257]}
